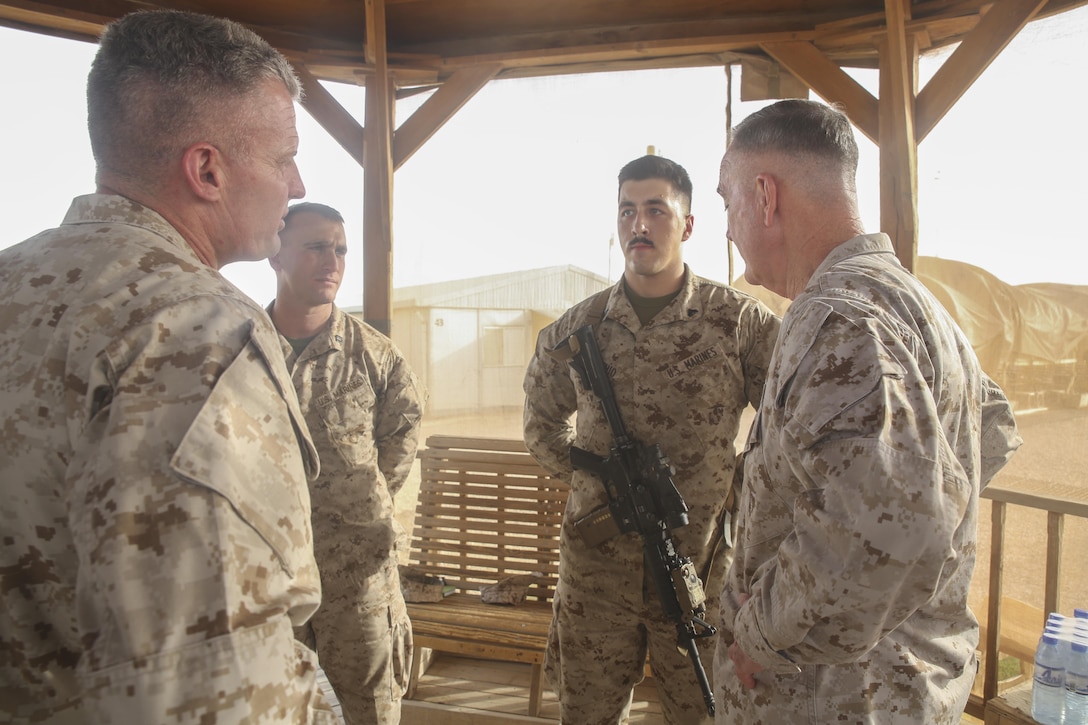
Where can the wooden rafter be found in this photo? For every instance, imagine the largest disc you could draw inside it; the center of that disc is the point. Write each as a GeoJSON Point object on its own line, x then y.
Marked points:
{"type": "Point", "coordinates": [327, 111]}
{"type": "Point", "coordinates": [818, 72]}
{"type": "Point", "coordinates": [1000, 25]}
{"type": "Point", "coordinates": [439, 108]}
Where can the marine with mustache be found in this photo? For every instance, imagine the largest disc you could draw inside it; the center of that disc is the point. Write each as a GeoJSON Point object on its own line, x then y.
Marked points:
{"type": "Point", "coordinates": [686, 356]}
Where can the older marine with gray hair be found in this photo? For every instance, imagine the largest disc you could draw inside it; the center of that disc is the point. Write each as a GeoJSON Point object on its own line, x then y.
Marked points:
{"type": "Point", "coordinates": [156, 547]}
{"type": "Point", "coordinates": [847, 598]}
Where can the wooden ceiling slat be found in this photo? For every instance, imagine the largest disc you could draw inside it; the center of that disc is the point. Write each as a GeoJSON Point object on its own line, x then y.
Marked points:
{"type": "Point", "coordinates": [429, 40]}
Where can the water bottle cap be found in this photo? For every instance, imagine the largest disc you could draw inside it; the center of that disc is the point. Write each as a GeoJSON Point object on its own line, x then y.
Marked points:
{"type": "Point", "coordinates": [1080, 613]}
{"type": "Point", "coordinates": [1080, 645]}
{"type": "Point", "coordinates": [1049, 638]}
{"type": "Point", "coordinates": [1055, 617]}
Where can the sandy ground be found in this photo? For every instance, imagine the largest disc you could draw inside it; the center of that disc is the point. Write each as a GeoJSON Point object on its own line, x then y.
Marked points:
{"type": "Point", "coordinates": [1055, 450]}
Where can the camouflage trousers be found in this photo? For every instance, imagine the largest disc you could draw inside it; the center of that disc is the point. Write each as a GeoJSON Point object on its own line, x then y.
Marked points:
{"type": "Point", "coordinates": [596, 654]}
{"type": "Point", "coordinates": [363, 640]}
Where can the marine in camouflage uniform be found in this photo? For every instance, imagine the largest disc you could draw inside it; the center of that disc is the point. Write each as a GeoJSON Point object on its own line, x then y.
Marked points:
{"type": "Point", "coordinates": [156, 550]}
{"type": "Point", "coordinates": [364, 407]}
{"type": "Point", "coordinates": [847, 599]}
{"type": "Point", "coordinates": [682, 380]}
{"type": "Point", "coordinates": [156, 545]}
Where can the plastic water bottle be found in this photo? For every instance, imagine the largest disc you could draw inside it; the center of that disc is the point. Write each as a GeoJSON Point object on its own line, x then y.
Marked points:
{"type": "Point", "coordinates": [1076, 684]}
{"type": "Point", "coordinates": [1048, 687]}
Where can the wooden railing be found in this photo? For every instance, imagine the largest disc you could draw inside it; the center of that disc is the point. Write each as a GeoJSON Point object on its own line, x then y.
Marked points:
{"type": "Point", "coordinates": [1059, 501]}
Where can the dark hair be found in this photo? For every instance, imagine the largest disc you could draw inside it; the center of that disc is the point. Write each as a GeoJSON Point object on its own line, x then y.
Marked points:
{"type": "Point", "coordinates": [799, 127]}
{"type": "Point", "coordinates": [659, 167]}
{"type": "Point", "coordinates": [314, 208]}
{"type": "Point", "coordinates": [155, 74]}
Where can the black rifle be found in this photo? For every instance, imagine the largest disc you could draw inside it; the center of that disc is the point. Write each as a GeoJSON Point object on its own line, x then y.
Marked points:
{"type": "Point", "coordinates": [642, 497]}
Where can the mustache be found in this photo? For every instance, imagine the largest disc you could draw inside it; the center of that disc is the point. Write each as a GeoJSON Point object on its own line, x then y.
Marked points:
{"type": "Point", "coordinates": [639, 240]}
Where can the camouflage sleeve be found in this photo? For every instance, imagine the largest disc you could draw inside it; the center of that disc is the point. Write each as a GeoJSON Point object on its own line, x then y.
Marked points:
{"type": "Point", "coordinates": [1000, 437]}
{"type": "Point", "coordinates": [550, 401]}
{"type": "Point", "coordinates": [762, 327]}
{"type": "Point", "coordinates": [873, 526]}
{"type": "Point", "coordinates": [397, 423]}
{"type": "Point", "coordinates": [190, 517]}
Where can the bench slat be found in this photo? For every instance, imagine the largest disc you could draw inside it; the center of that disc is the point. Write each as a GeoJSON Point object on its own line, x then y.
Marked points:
{"type": "Point", "coordinates": [440, 441]}
{"type": "Point", "coordinates": [486, 511]}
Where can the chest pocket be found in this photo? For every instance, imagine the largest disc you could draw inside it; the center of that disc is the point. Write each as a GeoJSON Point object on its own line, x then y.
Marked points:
{"type": "Point", "coordinates": [714, 386]}
{"type": "Point", "coordinates": [347, 415]}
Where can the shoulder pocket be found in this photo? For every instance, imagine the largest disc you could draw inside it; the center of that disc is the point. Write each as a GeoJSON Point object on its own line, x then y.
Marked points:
{"type": "Point", "coordinates": [833, 362]}
{"type": "Point", "coordinates": [243, 445]}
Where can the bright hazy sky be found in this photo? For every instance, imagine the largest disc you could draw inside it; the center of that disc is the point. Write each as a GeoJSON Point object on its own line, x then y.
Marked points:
{"type": "Point", "coordinates": [524, 176]}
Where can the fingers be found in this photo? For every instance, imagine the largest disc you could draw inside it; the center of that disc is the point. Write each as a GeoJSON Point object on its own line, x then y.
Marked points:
{"type": "Point", "coordinates": [744, 666]}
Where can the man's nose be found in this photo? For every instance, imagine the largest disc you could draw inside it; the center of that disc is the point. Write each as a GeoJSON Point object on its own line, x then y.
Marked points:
{"type": "Point", "coordinates": [295, 188]}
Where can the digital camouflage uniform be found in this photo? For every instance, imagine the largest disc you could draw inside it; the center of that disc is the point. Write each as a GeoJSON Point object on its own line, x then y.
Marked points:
{"type": "Point", "coordinates": [859, 508]}
{"type": "Point", "coordinates": [156, 545]}
{"type": "Point", "coordinates": [363, 405]}
{"type": "Point", "coordinates": [681, 381]}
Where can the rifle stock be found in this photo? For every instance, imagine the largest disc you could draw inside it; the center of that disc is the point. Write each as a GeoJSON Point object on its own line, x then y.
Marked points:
{"type": "Point", "coordinates": [642, 497]}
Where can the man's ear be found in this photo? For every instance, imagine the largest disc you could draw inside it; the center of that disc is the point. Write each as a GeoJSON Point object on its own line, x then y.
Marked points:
{"type": "Point", "coordinates": [689, 227]}
{"type": "Point", "coordinates": [202, 165]}
{"type": "Point", "coordinates": [766, 197]}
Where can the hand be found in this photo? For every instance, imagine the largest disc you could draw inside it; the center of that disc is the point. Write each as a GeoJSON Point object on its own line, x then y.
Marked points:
{"type": "Point", "coordinates": [746, 668]}
{"type": "Point", "coordinates": [744, 665]}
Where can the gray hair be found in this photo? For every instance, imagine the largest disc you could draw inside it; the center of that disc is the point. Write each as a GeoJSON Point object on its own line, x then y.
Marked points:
{"type": "Point", "coordinates": [799, 128]}
{"type": "Point", "coordinates": [156, 75]}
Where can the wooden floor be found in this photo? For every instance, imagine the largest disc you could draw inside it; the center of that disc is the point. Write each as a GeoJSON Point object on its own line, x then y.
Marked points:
{"type": "Point", "coordinates": [464, 691]}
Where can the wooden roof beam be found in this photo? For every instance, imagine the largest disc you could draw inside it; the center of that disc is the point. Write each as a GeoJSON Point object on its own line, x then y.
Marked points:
{"type": "Point", "coordinates": [982, 45]}
{"type": "Point", "coordinates": [327, 111]}
{"type": "Point", "coordinates": [454, 93]}
{"type": "Point", "coordinates": [623, 51]}
{"type": "Point", "coordinates": [46, 19]}
{"type": "Point", "coordinates": [443, 104]}
{"type": "Point", "coordinates": [821, 74]}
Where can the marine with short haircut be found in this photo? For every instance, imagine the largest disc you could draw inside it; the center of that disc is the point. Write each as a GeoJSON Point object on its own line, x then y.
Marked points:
{"type": "Point", "coordinates": [364, 407]}
{"type": "Point", "coordinates": [156, 550]}
{"type": "Point", "coordinates": [686, 355]}
{"type": "Point", "coordinates": [847, 598]}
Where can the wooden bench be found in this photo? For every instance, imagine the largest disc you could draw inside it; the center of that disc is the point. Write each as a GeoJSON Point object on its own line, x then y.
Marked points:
{"type": "Point", "coordinates": [486, 511]}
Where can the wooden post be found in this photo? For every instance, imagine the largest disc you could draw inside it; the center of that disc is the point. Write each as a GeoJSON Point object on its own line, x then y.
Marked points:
{"type": "Point", "coordinates": [378, 178]}
{"type": "Point", "coordinates": [898, 149]}
{"type": "Point", "coordinates": [993, 614]}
